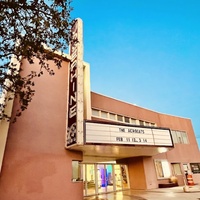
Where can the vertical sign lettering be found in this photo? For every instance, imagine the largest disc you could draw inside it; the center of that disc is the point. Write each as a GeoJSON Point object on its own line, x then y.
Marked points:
{"type": "Point", "coordinates": [75, 102]}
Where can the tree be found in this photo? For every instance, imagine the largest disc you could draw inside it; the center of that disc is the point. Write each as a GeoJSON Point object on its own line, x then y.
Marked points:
{"type": "Point", "coordinates": [27, 27]}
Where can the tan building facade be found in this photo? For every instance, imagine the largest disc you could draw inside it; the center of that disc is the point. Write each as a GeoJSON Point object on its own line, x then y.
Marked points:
{"type": "Point", "coordinates": [72, 142]}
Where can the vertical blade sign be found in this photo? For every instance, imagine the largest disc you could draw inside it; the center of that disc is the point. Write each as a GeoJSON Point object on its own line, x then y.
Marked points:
{"type": "Point", "coordinates": [75, 99]}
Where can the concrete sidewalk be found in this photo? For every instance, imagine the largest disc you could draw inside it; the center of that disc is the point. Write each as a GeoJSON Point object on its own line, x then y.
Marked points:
{"type": "Point", "coordinates": [175, 193]}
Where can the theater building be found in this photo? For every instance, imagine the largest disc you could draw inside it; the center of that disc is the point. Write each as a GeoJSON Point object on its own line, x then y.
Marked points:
{"type": "Point", "coordinates": [72, 142]}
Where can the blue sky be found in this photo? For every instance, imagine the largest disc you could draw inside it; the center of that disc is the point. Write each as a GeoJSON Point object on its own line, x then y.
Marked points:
{"type": "Point", "coordinates": [145, 52]}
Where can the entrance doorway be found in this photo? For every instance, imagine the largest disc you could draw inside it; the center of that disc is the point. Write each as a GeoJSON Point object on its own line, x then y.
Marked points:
{"type": "Point", "coordinates": [103, 178]}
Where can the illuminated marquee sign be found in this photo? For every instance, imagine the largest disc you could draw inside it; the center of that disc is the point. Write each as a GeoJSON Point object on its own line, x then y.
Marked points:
{"type": "Point", "coordinates": [127, 135]}
{"type": "Point", "coordinates": [75, 101]}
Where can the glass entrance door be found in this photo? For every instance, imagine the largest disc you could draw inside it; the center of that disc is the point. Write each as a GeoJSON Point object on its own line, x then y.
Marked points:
{"type": "Point", "coordinates": [109, 178]}
{"type": "Point", "coordinates": [102, 183]}
{"type": "Point", "coordinates": [118, 177]}
{"type": "Point", "coordinates": [89, 180]}
{"type": "Point", "coordinates": [103, 178]}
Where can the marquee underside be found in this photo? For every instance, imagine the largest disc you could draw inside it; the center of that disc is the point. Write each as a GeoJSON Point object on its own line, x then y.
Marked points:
{"type": "Point", "coordinates": [101, 153]}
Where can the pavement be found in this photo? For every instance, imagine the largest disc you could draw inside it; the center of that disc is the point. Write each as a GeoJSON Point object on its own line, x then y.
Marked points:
{"type": "Point", "coordinates": [174, 193]}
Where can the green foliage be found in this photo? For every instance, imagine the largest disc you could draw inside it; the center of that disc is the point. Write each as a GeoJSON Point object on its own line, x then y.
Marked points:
{"type": "Point", "coordinates": [26, 28]}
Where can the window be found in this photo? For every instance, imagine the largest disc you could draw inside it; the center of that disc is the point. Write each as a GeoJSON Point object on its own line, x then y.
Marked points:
{"type": "Point", "coordinates": [104, 114]}
{"type": "Point", "coordinates": [141, 123]}
{"type": "Point", "coordinates": [76, 171]}
{"type": "Point", "coordinates": [185, 138]}
{"type": "Point", "coordinates": [112, 116]}
{"type": "Point", "coordinates": [126, 119]}
{"type": "Point", "coordinates": [147, 123]}
{"type": "Point", "coordinates": [185, 167]}
{"type": "Point", "coordinates": [180, 137]}
{"type": "Point", "coordinates": [95, 112]}
{"type": "Point", "coordinates": [195, 168]}
{"type": "Point", "coordinates": [133, 121]}
{"type": "Point", "coordinates": [162, 169]}
{"type": "Point", "coordinates": [120, 118]}
{"type": "Point", "coordinates": [176, 169]}
{"type": "Point", "coordinates": [174, 136]}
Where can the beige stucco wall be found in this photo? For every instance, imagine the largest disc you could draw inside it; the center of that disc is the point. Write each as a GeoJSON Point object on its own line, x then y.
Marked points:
{"type": "Point", "coordinates": [4, 126]}
{"type": "Point", "coordinates": [4, 123]}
